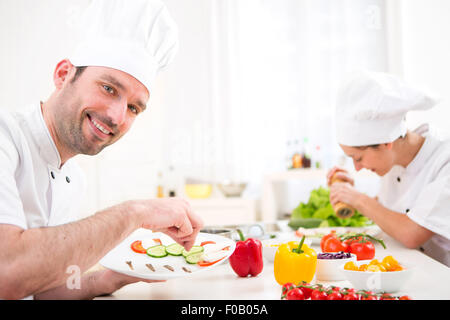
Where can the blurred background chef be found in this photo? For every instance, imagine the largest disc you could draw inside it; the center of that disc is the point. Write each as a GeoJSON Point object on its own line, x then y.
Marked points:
{"type": "Point", "coordinates": [414, 199]}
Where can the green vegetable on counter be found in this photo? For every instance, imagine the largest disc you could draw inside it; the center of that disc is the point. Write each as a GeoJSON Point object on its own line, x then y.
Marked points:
{"type": "Point", "coordinates": [318, 212]}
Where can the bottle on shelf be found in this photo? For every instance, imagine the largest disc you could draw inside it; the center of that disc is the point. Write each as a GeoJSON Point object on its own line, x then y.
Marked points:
{"type": "Point", "coordinates": [171, 185]}
{"type": "Point", "coordinates": [318, 158]}
{"type": "Point", "coordinates": [160, 186]}
{"type": "Point", "coordinates": [306, 154]}
{"type": "Point", "coordinates": [296, 157]}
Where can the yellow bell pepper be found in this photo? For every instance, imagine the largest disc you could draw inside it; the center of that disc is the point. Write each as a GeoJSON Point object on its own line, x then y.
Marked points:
{"type": "Point", "coordinates": [294, 262]}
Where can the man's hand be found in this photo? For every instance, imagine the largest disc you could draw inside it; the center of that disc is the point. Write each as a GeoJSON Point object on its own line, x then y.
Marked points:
{"type": "Point", "coordinates": [93, 284]}
{"type": "Point", "coordinates": [108, 281]}
{"type": "Point", "coordinates": [172, 216]}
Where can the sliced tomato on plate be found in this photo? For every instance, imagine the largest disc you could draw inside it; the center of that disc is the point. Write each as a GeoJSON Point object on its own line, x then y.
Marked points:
{"type": "Point", "coordinates": [137, 247]}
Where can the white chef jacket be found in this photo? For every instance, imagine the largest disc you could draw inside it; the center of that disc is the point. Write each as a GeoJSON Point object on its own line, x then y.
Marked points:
{"type": "Point", "coordinates": [422, 192]}
{"type": "Point", "coordinates": [35, 190]}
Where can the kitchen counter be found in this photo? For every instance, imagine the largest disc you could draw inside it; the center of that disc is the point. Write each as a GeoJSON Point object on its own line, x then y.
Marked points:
{"type": "Point", "coordinates": [429, 281]}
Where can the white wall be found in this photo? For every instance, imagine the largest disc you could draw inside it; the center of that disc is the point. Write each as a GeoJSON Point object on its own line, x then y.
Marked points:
{"type": "Point", "coordinates": [425, 55]}
{"type": "Point", "coordinates": [35, 35]}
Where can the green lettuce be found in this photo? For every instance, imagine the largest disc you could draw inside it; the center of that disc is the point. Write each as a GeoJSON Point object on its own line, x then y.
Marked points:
{"type": "Point", "coordinates": [319, 207]}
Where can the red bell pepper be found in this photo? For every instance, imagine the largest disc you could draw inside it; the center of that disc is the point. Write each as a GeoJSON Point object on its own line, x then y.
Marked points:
{"type": "Point", "coordinates": [247, 257]}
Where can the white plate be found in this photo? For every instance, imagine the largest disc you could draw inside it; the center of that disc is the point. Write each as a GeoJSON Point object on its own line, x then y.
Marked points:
{"type": "Point", "coordinates": [316, 234]}
{"type": "Point", "coordinates": [117, 258]}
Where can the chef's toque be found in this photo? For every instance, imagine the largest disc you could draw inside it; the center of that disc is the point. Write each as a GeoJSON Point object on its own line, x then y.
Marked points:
{"type": "Point", "coordinates": [371, 108]}
{"type": "Point", "coordinates": [134, 36]}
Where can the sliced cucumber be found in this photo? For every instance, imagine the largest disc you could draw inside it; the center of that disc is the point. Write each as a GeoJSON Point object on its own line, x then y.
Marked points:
{"type": "Point", "coordinates": [158, 251]}
{"type": "Point", "coordinates": [174, 249]}
{"type": "Point", "coordinates": [194, 249]}
{"type": "Point", "coordinates": [194, 257]}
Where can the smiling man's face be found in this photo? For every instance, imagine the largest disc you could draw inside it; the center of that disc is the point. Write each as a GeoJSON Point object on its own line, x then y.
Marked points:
{"type": "Point", "coordinates": [96, 109]}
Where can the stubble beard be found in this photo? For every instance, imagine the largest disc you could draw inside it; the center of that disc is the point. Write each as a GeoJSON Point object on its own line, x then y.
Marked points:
{"type": "Point", "coordinates": [69, 127]}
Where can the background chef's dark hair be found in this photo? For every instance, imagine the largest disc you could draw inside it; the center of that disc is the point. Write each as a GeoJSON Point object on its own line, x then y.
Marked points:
{"type": "Point", "coordinates": [377, 145]}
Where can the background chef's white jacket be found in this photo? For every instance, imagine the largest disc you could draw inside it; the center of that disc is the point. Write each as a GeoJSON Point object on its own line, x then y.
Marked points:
{"type": "Point", "coordinates": [422, 192]}
{"type": "Point", "coordinates": [35, 191]}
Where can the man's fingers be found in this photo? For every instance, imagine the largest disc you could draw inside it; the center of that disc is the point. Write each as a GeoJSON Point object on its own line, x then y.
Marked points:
{"type": "Point", "coordinates": [178, 221]}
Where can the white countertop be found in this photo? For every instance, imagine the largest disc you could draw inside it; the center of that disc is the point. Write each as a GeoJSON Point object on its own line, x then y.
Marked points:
{"type": "Point", "coordinates": [429, 281]}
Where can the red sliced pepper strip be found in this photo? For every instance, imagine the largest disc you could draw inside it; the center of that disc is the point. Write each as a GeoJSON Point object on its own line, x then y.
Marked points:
{"type": "Point", "coordinates": [207, 242]}
{"type": "Point", "coordinates": [202, 263]}
{"type": "Point", "coordinates": [137, 247]}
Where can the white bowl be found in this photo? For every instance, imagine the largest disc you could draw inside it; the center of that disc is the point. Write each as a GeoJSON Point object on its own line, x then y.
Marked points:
{"type": "Point", "coordinates": [270, 246]}
{"type": "Point", "coordinates": [232, 189]}
{"type": "Point", "coordinates": [329, 269]}
{"type": "Point", "coordinates": [389, 282]}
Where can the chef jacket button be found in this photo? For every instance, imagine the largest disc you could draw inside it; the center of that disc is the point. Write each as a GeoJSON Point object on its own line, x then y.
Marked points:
{"type": "Point", "coordinates": [398, 179]}
{"type": "Point", "coordinates": [407, 210]}
{"type": "Point", "coordinates": [52, 174]}
{"type": "Point", "coordinates": [68, 179]}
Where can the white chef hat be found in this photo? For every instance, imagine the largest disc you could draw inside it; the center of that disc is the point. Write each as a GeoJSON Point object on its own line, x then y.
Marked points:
{"type": "Point", "coordinates": [138, 37]}
{"type": "Point", "coordinates": [371, 108]}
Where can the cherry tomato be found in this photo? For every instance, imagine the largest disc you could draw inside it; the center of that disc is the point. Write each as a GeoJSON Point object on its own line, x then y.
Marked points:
{"type": "Point", "coordinates": [307, 289]}
{"type": "Point", "coordinates": [370, 297]}
{"type": "Point", "coordinates": [348, 290]}
{"type": "Point", "coordinates": [405, 298]}
{"type": "Point", "coordinates": [352, 239]}
{"type": "Point", "coordinates": [333, 244]}
{"type": "Point", "coordinates": [295, 294]}
{"type": "Point", "coordinates": [350, 296]}
{"type": "Point", "coordinates": [326, 237]}
{"type": "Point", "coordinates": [387, 296]}
{"type": "Point", "coordinates": [335, 288]}
{"type": "Point", "coordinates": [318, 294]}
{"type": "Point", "coordinates": [286, 287]}
{"type": "Point", "coordinates": [363, 250]}
{"type": "Point", "coordinates": [335, 295]}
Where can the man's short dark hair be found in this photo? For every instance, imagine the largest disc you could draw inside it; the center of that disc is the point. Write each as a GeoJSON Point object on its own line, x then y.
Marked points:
{"type": "Point", "coordinates": [78, 72]}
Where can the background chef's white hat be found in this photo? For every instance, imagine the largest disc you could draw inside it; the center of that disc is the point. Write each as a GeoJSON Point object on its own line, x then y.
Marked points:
{"type": "Point", "coordinates": [371, 108]}
{"type": "Point", "coordinates": [135, 36]}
